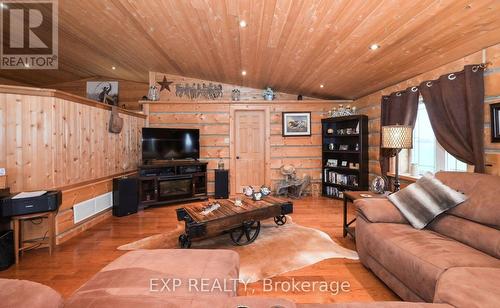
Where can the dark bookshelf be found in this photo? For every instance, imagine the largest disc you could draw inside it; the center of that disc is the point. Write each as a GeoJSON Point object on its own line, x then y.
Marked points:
{"type": "Point", "coordinates": [349, 137]}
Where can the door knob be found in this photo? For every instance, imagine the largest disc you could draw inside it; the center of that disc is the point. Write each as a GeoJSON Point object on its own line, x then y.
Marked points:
{"type": "Point", "coordinates": [237, 157]}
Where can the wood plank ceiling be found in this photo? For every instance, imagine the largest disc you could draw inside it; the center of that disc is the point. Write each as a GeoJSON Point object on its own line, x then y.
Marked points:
{"type": "Point", "coordinates": [291, 45]}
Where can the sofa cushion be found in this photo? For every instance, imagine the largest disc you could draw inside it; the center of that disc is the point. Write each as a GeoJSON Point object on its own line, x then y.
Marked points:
{"type": "Point", "coordinates": [168, 272]}
{"type": "Point", "coordinates": [418, 257]}
{"type": "Point", "coordinates": [470, 233]}
{"type": "Point", "coordinates": [22, 293]}
{"type": "Point", "coordinates": [469, 287]}
{"type": "Point", "coordinates": [379, 210]}
{"type": "Point", "coordinates": [483, 205]}
{"type": "Point", "coordinates": [200, 301]}
{"type": "Point", "coordinates": [425, 199]}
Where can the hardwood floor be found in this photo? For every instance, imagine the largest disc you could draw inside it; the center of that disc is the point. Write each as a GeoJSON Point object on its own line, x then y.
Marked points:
{"type": "Point", "coordinates": [77, 260]}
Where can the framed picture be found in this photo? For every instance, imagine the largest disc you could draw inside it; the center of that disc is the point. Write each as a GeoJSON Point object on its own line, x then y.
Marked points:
{"type": "Point", "coordinates": [331, 163]}
{"type": "Point", "coordinates": [344, 163]}
{"type": "Point", "coordinates": [103, 91]}
{"type": "Point", "coordinates": [495, 122]}
{"type": "Point", "coordinates": [344, 147]}
{"type": "Point", "coordinates": [296, 124]}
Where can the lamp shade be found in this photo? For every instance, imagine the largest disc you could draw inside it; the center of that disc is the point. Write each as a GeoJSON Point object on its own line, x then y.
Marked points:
{"type": "Point", "coordinates": [397, 137]}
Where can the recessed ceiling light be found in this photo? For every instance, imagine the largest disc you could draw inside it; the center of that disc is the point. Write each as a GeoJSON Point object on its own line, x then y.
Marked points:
{"type": "Point", "coordinates": [374, 46]}
{"type": "Point", "coordinates": [243, 73]}
{"type": "Point", "coordinates": [113, 68]}
{"type": "Point", "coordinates": [3, 5]}
{"type": "Point", "coordinates": [321, 85]}
{"type": "Point", "coordinates": [243, 24]}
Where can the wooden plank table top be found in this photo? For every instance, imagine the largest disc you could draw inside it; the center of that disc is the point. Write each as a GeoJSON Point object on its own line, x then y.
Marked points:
{"type": "Point", "coordinates": [228, 208]}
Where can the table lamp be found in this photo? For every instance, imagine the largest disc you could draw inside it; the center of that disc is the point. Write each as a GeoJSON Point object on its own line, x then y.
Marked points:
{"type": "Point", "coordinates": [397, 137]}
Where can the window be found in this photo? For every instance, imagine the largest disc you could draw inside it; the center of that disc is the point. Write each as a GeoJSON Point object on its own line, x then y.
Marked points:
{"type": "Point", "coordinates": [427, 154]}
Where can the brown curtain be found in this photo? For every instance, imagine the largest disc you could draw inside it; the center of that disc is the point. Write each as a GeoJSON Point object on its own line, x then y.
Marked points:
{"type": "Point", "coordinates": [455, 105]}
{"type": "Point", "coordinates": [397, 108]}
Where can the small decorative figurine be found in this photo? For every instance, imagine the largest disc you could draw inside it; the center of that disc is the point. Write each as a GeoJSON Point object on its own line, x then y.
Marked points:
{"type": "Point", "coordinates": [248, 191]}
{"type": "Point", "coordinates": [257, 196]}
{"type": "Point", "coordinates": [153, 93]}
{"type": "Point", "coordinates": [378, 185]}
{"type": "Point", "coordinates": [238, 202]}
{"type": "Point", "coordinates": [220, 164]}
{"type": "Point", "coordinates": [265, 191]}
{"type": "Point", "coordinates": [268, 94]}
{"type": "Point", "coordinates": [235, 95]}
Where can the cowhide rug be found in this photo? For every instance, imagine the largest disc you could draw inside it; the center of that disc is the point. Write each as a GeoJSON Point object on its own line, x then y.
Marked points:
{"type": "Point", "coordinates": [277, 250]}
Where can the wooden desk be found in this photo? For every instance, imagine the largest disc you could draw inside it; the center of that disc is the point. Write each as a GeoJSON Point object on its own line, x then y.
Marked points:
{"type": "Point", "coordinates": [48, 241]}
{"type": "Point", "coordinates": [352, 196]}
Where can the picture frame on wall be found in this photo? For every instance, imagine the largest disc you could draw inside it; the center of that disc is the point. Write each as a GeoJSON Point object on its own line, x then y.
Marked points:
{"type": "Point", "coordinates": [495, 122]}
{"type": "Point", "coordinates": [103, 91]}
{"type": "Point", "coordinates": [296, 124]}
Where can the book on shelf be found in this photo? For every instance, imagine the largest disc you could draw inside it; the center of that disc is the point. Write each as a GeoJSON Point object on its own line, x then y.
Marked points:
{"type": "Point", "coordinates": [340, 178]}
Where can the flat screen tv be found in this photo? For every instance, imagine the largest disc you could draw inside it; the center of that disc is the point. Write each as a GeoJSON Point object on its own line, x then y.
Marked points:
{"type": "Point", "coordinates": [170, 143]}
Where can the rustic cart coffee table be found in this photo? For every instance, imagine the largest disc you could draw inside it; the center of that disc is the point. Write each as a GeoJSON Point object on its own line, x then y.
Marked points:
{"type": "Point", "coordinates": [241, 222]}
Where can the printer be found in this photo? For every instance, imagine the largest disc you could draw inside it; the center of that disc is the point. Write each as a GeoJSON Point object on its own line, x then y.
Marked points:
{"type": "Point", "coordinates": [49, 201]}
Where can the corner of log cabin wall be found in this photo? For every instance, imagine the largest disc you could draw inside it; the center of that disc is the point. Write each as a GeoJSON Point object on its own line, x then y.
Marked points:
{"type": "Point", "coordinates": [370, 105]}
{"type": "Point", "coordinates": [53, 140]}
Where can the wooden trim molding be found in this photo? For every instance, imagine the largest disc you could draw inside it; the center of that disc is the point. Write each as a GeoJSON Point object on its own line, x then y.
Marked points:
{"type": "Point", "coordinates": [251, 102]}
{"type": "Point", "coordinates": [64, 95]}
{"type": "Point", "coordinates": [267, 145]}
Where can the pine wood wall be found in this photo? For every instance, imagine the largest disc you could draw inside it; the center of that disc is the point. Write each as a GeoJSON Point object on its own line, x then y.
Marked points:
{"type": "Point", "coordinates": [49, 139]}
{"type": "Point", "coordinates": [370, 104]}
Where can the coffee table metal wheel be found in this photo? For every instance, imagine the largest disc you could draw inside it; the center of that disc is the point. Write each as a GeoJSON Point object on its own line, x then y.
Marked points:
{"type": "Point", "coordinates": [184, 241]}
{"type": "Point", "coordinates": [280, 220]}
{"type": "Point", "coordinates": [245, 234]}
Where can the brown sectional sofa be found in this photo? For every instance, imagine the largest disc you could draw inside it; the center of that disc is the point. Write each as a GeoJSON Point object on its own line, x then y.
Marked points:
{"type": "Point", "coordinates": [455, 260]}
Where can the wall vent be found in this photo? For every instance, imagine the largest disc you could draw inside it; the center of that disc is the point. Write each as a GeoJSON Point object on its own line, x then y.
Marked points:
{"type": "Point", "coordinates": [91, 207]}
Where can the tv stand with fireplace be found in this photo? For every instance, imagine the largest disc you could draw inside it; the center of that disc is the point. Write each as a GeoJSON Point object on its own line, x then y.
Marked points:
{"type": "Point", "coordinates": [165, 182]}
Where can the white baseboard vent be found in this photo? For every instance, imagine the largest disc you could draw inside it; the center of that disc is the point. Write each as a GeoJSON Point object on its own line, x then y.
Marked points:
{"type": "Point", "coordinates": [89, 208]}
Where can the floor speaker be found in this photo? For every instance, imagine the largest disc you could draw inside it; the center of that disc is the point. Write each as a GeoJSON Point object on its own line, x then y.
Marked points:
{"type": "Point", "coordinates": [125, 196]}
{"type": "Point", "coordinates": [6, 249]}
{"type": "Point", "coordinates": [221, 184]}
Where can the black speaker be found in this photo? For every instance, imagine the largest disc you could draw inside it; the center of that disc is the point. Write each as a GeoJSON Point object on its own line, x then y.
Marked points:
{"type": "Point", "coordinates": [221, 184]}
{"type": "Point", "coordinates": [7, 257]}
{"type": "Point", "coordinates": [125, 196]}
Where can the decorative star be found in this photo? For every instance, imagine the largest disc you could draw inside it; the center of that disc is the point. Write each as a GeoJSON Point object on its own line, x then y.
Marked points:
{"type": "Point", "coordinates": [165, 84]}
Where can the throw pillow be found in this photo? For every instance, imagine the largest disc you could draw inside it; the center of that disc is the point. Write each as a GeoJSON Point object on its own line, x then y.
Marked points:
{"type": "Point", "coordinates": [425, 199]}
